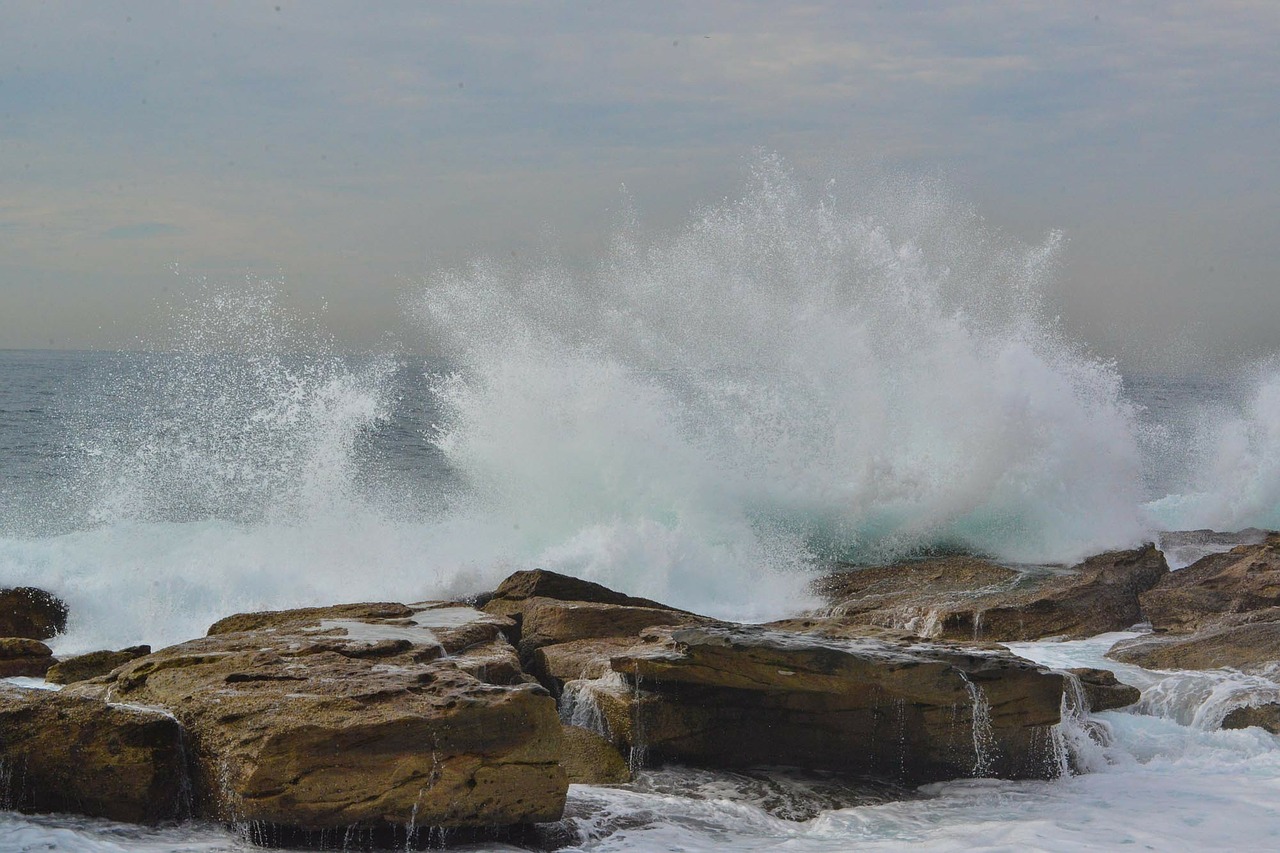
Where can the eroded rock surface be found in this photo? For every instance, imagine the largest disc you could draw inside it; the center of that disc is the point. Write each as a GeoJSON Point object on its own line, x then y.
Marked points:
{"type": "Point", "coordinates": [358, 717]}
{"type": "Point", "coordinates": [964, 598]}
{"type": "Point", "coordinates": [21, 656]}
{"type": "Point", "coordinates": [61, 753]}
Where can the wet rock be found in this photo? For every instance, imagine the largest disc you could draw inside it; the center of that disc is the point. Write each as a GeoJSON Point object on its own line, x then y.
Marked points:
{"type": "Point", "coordinates": [590, 759]}
{"type": "Point", "coordinates": [1246, 646]}
{"type": "Point", "coordinates": [93, 664]}
{"type": "Point", "coordinates": [33, 613]}
{"type": "Point", "coordinates": [62, 753]}
{"type": "Point", "coordinates": [964, 598]}
{"type": "Point", "coordinates": [360, 718]}
{"type": "Point", "coordinates": [733, 696]}
{"type": "Point", "coordinates": [1263, 716]}
{"type": "Point", "coordinates": [1103, 691]}
{"type": "Point", "coordinates": [22, 656]}
{"type": "Point", "coordinates": [1246, 578]}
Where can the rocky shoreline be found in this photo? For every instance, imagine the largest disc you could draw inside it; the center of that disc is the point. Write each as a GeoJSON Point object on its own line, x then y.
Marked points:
{"type": "Point", "coordinates": [389, 724]}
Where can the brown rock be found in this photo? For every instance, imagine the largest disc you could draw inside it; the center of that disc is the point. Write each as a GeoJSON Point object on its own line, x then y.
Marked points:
{"type": "Point", "coordinates": [733, 696]}
{"type": "Point", "coordinates": [1103, 691]}
{"type": "Point", "coordinates": [22, 656]}
{"type": "Point", "coordinates": [964, 598]}
{"type": "Point", "coordinates": [1246, 578]}
{"type": "Point", "coordinates": [91, 665]}
{"type": "Point", "coordinates": [541, 583]}
{"type": "Point", "coordinates": [576, 660]}
{"type": "Point", "coordinates": [548, 621]}
{"type": "Point", "coordinates": [84, 756]}
{"type": "Point", "coordinates": [1263, 716]}
{"type": "Point", "coordinates": [29, 612]}
{"type": "Point", "coordinates": [1246, 646]}
{"type": "Point", "coordinates": [358, 717]}
{"type": "Point", "coordinates": [590, 759]}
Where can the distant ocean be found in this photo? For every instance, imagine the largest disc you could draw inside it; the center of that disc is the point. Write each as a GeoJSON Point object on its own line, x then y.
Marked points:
{"type": "Point", "coordinates": [704, 418]}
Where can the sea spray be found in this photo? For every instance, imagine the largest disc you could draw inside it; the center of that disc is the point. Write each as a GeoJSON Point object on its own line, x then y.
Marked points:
{"type": "Point", "coordinates": [790, 377]}
{"type": "Point", "coordinates": [1233, 481]}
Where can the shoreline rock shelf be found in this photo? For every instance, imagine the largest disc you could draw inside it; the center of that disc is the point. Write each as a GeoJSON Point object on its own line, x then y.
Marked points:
{"type": "Point", "coordinates": [390, 721]}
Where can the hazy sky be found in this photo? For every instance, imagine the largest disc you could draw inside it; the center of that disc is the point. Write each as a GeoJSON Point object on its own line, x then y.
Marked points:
{"type": "Point", "coordinates": [349, 149]}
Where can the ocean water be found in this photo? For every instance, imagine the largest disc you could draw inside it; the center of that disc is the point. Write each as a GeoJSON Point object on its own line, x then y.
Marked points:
{"type": "Point", "coordinates": [706, 417]}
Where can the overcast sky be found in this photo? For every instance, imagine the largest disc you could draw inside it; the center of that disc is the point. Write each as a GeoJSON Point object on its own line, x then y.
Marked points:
{"type": "Point", "coordinates": [349, 149]}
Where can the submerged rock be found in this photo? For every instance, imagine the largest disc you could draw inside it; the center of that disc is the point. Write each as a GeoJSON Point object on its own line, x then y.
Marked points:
{"type": "Point", "coordinates": [965, 598]}
{"type": "Point", "coordinates": [21, 656]}
{"type": "Point", "coordinates": [61, 753]}
{"type": "Point", "coordinates": [1244, 579]}
{"type": "Point", "coordinates": [91, 665]}
{"type": "Point", "coordinates": [33, 613]}
{"type": "Point", "coordinates": [357, 718]}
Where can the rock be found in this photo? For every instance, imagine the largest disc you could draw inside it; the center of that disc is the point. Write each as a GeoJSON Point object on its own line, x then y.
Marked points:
{"type": "Point", "coordinates": [72, 754]}
{"type": "Point", "coordinates": [547, 621]}
{"type": "Point", "coordinates": [93, 664]}
{"type": "Point", "coordinates": [552, 609]}
{"type": "Point", "coordinates": [577, 660]}
{"type": "Point", "coordinates": [1103, 691]}
{"type": "Point", "coordinates": [33, 613]}
{"type": "Point", "coordinates": [729, 696]}
{"type": "Point", "coordinates": [590, 759]}
{"type": "Point", "coordinates": [964, 598]}
{"type": "Point", "coordinates": [360, 718]}
{"type": "Point", "coordinates": [541, 583]}
{"type": "Point", "coordinates": [22, 656]}
{"type": "Point", "coordinates": [1263, 716]}
{"type": "Point", "coordinates": [1247, 646]}
{"type": "Point", "coordinates": [1246, 578]}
